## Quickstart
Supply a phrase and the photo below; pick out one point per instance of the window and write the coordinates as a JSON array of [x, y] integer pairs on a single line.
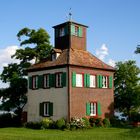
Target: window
[[92, 81], [104, 81], [35, 82], [58, 79], [93, 109], [46, 81], [53, 57], [46, 109], [79, 80], [61, 32], [76, 30]]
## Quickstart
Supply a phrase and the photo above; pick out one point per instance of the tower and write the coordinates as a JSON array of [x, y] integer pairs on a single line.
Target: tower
[[70, 35]]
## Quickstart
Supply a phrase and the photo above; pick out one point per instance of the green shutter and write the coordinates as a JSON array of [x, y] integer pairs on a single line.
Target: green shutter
[[51, 109], [49, 80], [99, 109], [110, 81], [40, 81], [88, 109], [52, 80], [80, 31], [41, 109], [72, 29], [98, 81], [66, 30], [88, 80], [56, 33], [73, 79], [30, 82], [64, 81], [37, 81], [101, 81], [85, 80]]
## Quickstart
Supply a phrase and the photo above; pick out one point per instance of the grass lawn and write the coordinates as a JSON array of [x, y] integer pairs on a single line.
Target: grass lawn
[[90, 134]]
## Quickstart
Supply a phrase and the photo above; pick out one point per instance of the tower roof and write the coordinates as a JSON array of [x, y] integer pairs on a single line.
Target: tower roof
[[69, 22]]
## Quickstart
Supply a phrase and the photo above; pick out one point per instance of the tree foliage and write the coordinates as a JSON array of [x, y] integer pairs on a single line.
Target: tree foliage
[[14, 96], [137, 49], [39, 45], [127, 86]]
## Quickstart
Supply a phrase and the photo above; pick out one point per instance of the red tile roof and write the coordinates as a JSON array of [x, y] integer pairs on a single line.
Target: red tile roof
[[73, 57]]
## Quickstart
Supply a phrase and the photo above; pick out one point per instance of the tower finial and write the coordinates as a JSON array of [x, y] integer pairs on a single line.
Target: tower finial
[[70, 15]]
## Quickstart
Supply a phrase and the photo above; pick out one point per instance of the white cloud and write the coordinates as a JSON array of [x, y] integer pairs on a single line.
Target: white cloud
[[5, 55], [111, 62], [102, 52], [5, 58]]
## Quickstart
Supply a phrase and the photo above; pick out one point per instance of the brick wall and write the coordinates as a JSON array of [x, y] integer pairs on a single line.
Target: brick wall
[[80, 96]]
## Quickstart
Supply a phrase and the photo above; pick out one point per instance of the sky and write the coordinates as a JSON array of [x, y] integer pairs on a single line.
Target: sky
[[113, 25]]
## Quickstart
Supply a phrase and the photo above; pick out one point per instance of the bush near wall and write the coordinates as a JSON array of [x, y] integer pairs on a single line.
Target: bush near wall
[[75, 123]]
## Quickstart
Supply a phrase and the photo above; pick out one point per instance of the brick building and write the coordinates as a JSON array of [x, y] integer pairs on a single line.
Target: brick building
[[74, 83]]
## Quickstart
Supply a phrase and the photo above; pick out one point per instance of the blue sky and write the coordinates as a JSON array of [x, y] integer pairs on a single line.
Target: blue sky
[[113, 33]]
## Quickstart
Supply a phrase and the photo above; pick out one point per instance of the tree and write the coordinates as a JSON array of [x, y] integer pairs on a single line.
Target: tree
[[137, 49], [40, 40], [14, 97], [127, 87]]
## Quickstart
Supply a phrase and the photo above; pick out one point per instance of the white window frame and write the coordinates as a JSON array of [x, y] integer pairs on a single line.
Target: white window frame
[[46, 81], [46, 109], [35, 81], [92, 81], [93, 109], [62, 31], [79, 80], [58, 79], [104, 81]]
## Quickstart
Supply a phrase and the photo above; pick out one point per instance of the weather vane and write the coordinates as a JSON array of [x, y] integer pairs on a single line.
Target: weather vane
[[70, 15]]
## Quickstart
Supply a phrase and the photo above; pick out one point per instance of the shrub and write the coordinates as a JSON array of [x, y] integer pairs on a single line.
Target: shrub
[[60, 124], [116, 122], [92, 121], [86, 122], [77, 123], [46, 123], [33, 125], [98, 122], [68, 126], [135, 117], [106, 122]]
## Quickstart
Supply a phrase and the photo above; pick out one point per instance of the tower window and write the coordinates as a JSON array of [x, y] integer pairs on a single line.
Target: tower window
[[61, 32], [76, 30]]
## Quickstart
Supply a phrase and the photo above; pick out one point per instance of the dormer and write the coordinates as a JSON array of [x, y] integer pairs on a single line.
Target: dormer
[[70, 35], [55, 54]]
